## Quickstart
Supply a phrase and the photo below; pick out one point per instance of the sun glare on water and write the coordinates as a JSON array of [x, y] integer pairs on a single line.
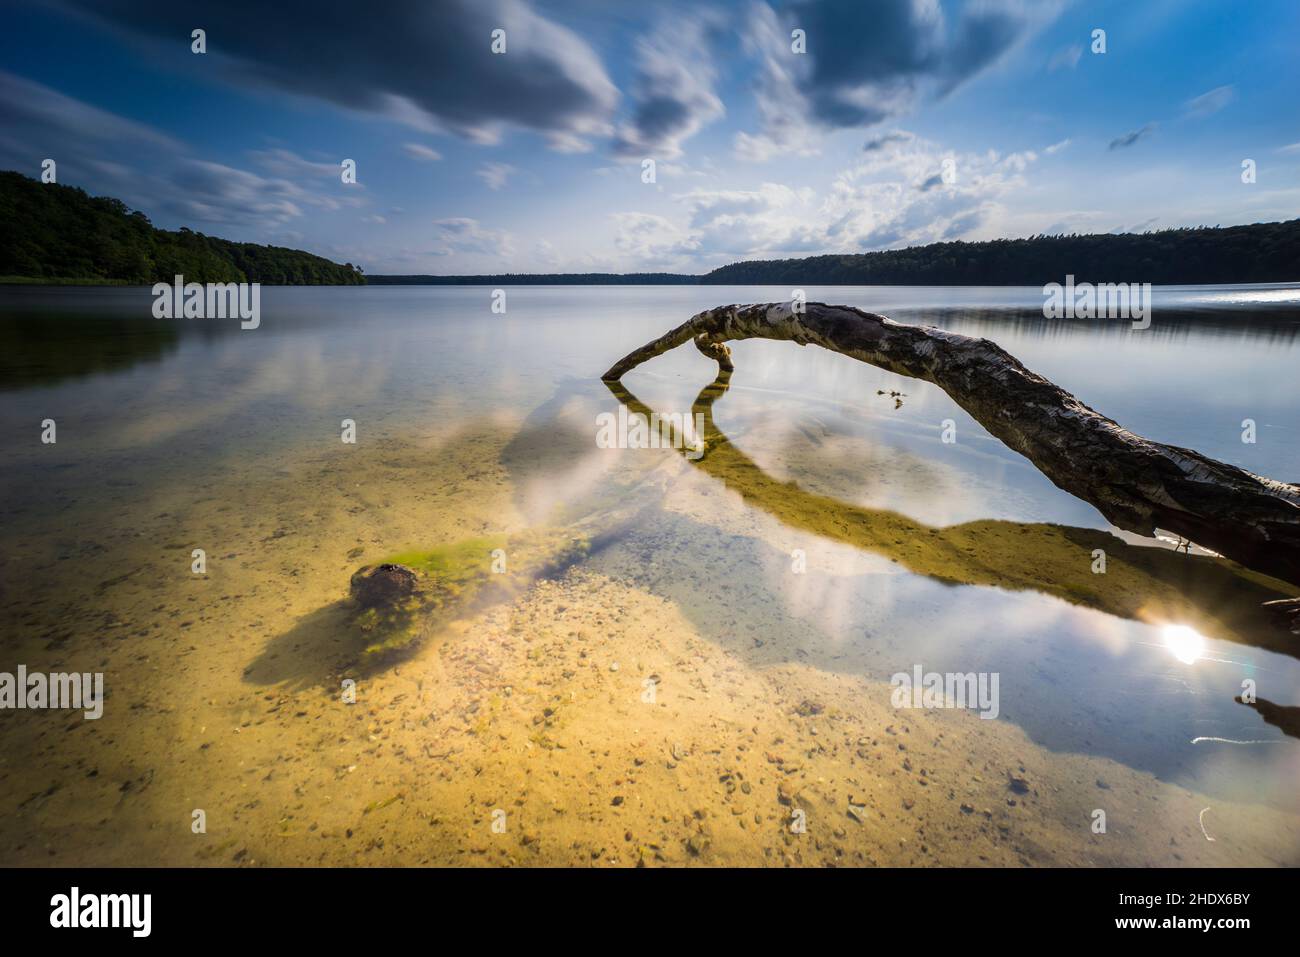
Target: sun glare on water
[[1187, 644]]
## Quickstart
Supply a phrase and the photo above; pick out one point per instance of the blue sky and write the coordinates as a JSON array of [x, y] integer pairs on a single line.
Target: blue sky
[[531, 160]]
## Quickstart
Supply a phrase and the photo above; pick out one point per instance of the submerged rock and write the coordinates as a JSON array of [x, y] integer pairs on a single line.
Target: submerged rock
[[412, 593], [377, 586]]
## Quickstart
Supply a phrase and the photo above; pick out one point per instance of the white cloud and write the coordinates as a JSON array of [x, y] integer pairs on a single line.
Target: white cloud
[[651, 240], [772, 218], [1066, 58], [901, 199], [894, 196], [1210, 102], [421, 152], [216, 193], [282, 162], [495, 175], [456, 235]]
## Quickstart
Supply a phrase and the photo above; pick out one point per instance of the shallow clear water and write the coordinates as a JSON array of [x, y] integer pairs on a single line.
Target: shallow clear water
[[185, 434]]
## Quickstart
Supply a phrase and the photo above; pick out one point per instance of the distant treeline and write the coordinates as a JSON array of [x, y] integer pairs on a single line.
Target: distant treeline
[[1263, 252], [544, 279], [52, 232]]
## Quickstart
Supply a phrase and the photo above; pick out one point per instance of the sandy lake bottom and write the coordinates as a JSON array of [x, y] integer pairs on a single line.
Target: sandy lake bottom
[[708, 685]]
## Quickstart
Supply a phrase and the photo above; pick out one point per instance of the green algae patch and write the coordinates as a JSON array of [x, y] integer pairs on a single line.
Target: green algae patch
[[457, 579], [454, 565]]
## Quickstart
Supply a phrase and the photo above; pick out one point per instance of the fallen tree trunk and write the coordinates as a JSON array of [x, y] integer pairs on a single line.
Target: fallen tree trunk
[[1137, 484]]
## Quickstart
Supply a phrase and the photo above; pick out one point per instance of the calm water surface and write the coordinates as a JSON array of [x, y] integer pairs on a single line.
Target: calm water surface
[[173, 435]]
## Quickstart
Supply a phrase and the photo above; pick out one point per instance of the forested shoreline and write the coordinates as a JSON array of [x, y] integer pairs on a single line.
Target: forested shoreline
[[60, 234], [1261, 252]]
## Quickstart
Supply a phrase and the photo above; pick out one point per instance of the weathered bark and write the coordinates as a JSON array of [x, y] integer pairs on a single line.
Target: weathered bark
[[1137, 484]]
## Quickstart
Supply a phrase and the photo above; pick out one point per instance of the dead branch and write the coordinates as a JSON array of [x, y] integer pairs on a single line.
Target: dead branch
[[1137, 484]]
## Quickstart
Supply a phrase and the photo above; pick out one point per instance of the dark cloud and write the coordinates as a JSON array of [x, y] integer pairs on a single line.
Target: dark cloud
[[863, 56], [673, 88], [878, 143], [1130, 138], [106, 154], [866, 57], [659, 117], [429, 63], [983, 32], [37, 122]]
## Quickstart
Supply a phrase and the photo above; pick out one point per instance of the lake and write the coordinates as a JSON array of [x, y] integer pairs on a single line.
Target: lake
[[706, 675]]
